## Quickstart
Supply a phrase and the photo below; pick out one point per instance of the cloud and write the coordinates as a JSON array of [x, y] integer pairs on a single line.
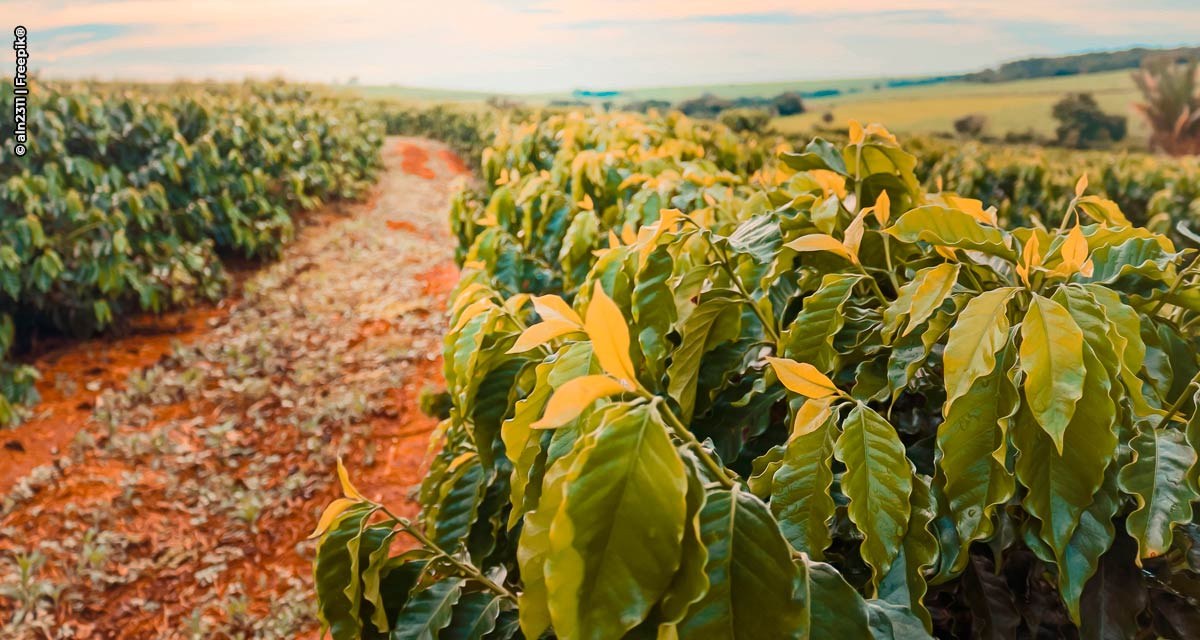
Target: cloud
[[538, 45], [770, 18]]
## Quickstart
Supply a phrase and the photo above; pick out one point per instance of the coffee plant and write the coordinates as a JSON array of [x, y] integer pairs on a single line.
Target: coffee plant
[[128, 196], [1028, 183], [701, 393]]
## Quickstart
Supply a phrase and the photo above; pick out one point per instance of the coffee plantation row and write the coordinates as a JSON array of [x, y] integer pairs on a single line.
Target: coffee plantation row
[[101, 143], [702, 389], [1028, 183], [128, 197]]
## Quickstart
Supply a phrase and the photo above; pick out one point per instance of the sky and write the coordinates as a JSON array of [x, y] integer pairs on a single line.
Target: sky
[[529, 46]]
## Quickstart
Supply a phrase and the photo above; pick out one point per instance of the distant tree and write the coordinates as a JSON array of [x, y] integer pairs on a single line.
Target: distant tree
[[747, 120], [827, 117], [788, 103], [970, 125], [1172, 104], [643, 106], [1082, 125], [503, 103], [1028, 136], [1094, 62], [706, 106]]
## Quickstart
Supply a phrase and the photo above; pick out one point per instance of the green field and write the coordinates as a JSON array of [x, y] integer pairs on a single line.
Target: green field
[[1015, 106], [1009, 106]]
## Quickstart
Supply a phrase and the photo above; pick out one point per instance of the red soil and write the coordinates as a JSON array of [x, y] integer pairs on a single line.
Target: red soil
[[453, 162], [160, 530], [415, 159], [74, 374]]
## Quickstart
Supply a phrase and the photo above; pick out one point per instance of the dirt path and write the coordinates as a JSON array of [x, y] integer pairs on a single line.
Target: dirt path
[[178, 504]]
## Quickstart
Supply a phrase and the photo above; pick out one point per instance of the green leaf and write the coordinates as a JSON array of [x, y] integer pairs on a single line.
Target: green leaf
[[913, 351], [457, 505], [690, 582], [763, 470], [919, 298], [1091, 539], [1124, 330], [1192, 435], [971, 444], [474, 617], [878, 482], [333, 573], [800, 496], [904, 585], [522, 444], [951, 228], [533, 547], [654, 310], [818, 154], [377, 560], [1061, 487], [809, 338], [428, 611], [750, 572], [1158, 478], [1141, 256], [980, 331], [758, 237], [894, 622], [616, 541], [1052, 360], [698, 337], [834, 608]]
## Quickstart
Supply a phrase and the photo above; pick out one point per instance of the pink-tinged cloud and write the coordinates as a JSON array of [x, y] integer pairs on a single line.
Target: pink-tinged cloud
[[522, 45]]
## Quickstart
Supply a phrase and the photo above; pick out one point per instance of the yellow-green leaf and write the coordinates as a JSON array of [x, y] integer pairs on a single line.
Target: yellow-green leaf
[[750, 573], [347, 488], [616, 541], [919, 298], [803, 378], [1157, 478], [972, 443], [800, 496], [573, 397], [330, 514], [820, 242], [979, 332], [552, 307], [951, 228], [878, 481], [606, 327], [1052, 359], [541, 333]]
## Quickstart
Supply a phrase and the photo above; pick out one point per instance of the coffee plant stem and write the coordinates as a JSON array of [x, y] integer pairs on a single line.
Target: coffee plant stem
[[1062, 226], [689, 439], [467, 569], [973, 278], [1179, 402], [874, 286], [891, 271], [767, 323], [1191, 268]]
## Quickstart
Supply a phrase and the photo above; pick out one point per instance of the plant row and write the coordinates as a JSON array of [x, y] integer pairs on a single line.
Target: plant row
[[128, 196], [702, 390], [1030, 183]]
